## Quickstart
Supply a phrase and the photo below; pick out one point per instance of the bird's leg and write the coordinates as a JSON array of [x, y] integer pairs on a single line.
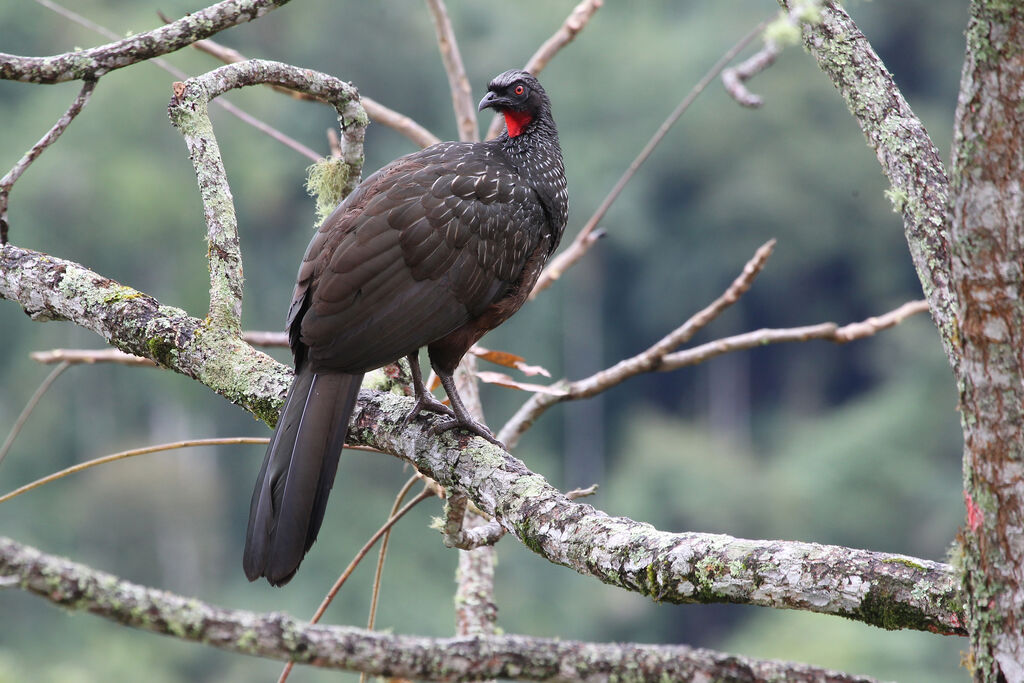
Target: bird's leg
[[424, 399], [462, 417]]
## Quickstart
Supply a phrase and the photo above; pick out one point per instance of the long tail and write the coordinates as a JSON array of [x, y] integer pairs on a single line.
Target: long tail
[[298, 471]]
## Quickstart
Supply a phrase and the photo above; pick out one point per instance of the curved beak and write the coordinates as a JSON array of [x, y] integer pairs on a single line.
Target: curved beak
[[490, 100]]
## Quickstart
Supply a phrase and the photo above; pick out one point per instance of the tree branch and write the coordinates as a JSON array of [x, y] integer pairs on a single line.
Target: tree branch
[[188, 112], [909, 158], [49, 288], [881, 589], [96, 61], [7, 182], [277, 636], [462, 92], [586, 237], [377, 112]]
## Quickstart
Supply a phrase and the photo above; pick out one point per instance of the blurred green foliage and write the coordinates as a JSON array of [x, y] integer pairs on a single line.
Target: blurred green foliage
[[855, 444]]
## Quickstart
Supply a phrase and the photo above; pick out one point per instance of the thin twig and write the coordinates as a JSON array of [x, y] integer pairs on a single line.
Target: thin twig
[[377, 112], [372, 619], [462, 93], [30, 406], [89, 357], [537, 404], [584, 239], [423, 495], [825, 331], [734, 77], [573, 24], [7, 182], [244, 116], [130, 454]]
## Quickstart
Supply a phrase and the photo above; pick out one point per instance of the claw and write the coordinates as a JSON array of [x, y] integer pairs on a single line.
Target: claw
[[430, 404], [471, 426]]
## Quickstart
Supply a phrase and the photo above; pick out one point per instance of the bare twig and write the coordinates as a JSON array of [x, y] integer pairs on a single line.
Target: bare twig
[[130, 454], [585, 238], [377, 112], [188, 112], [573, 24], [573, 494], [241, 114], [646, 361], [7, 182], [734, 77], [826, 331], [462, 93], [329, 598], [30, 406], [89, 357], [262, 338]]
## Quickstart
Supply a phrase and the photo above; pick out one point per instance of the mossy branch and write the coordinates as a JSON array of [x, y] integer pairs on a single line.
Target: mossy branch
[[277, 636], [96, 61]]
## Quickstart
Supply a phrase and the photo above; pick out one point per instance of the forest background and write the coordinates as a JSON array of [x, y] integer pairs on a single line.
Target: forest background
[[855, 445]]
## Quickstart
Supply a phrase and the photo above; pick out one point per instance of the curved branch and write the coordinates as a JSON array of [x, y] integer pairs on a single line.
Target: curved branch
[[50, 288], [96, 61], [909, 158], [277, 636], [188, 112], [891, 591]]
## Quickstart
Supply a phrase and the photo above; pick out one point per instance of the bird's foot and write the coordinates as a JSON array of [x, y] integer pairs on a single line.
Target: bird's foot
[[429, 403], [470, 425]]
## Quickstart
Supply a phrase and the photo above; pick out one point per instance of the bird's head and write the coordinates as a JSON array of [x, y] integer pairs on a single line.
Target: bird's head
[[519, 96]]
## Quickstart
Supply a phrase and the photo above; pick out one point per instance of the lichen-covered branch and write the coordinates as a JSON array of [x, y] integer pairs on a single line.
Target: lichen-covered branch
[[7, 182], [96, 61], [188, 112], [891, 591], [49, 288], [909, 158], [277, 636], [881, 589]]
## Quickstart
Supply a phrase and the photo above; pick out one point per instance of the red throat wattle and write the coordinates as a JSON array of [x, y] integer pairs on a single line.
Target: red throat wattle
[[515, 121]]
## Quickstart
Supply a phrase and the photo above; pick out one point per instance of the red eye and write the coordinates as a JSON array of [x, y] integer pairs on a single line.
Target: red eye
[[519, 90]]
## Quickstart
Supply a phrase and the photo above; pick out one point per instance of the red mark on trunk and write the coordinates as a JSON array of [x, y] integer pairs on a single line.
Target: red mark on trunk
[[975, 517]]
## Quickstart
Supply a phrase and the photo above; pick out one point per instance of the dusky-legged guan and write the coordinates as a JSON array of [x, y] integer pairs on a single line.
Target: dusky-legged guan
[[434, 250]]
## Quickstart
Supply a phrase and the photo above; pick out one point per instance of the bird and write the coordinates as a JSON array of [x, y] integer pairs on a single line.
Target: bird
[[433, 250]]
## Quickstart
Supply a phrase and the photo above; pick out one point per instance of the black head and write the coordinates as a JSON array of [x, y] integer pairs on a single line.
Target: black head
[[519, 96]]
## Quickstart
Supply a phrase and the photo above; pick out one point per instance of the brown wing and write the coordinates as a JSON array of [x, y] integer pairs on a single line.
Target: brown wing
[[422, 247]]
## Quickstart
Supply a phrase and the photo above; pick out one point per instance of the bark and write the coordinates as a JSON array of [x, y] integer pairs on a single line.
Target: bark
[[77, 587], [891, 591], [988, 267], [96, 61]]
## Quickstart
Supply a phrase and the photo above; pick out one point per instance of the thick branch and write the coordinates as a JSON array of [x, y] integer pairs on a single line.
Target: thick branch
[[891, 591], [277, 636], [96, 61], [188, 112], [49, 288], [920, 188]]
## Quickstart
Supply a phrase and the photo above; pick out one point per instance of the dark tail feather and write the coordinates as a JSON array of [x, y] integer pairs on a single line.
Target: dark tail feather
[[298, 471]]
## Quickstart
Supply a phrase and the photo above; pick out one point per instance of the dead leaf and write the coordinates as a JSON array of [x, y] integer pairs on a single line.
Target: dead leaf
[[509, 360], [501, 379]]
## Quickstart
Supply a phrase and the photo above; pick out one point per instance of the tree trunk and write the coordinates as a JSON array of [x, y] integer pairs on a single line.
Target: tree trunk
[[988, 260]]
